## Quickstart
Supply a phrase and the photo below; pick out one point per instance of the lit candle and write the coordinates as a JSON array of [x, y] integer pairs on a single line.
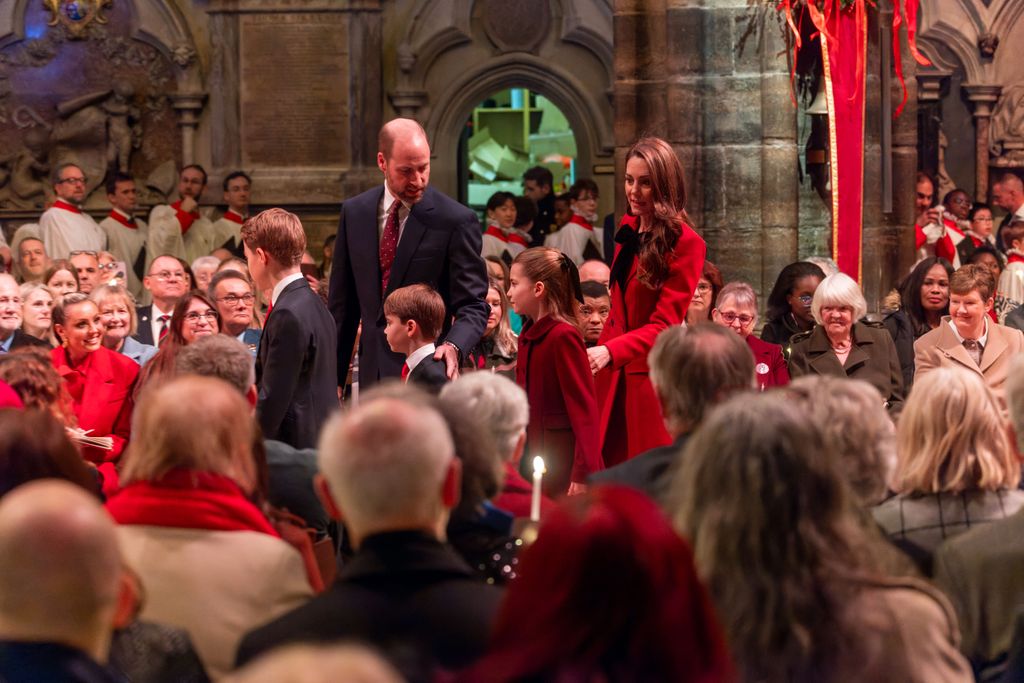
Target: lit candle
[[538, 474]]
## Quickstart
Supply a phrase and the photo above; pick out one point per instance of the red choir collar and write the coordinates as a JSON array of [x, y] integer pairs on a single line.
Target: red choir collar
[[581, 221], [495, 231], [126, 221], [177, 207], [61, 204], [234, 217], [188, 499], [518, 239], [1014, 256]]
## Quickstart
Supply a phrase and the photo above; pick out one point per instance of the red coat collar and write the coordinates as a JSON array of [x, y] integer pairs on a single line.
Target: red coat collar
[[61, 204]]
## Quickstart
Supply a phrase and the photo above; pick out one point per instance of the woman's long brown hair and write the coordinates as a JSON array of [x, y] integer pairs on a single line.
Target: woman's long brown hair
[[668, 194]]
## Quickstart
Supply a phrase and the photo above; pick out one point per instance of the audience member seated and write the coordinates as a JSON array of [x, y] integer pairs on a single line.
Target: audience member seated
[[389, 470], [596, 270], [211, 563], [923, 298], [597, 305], [794, 576], [11, 335], [856, 430], [203, 269], [87, 265], [61, 277], [318, 664], [841, 345], [704, 295], [737, 310], [955, 469], [498, 347], [100, 382], [32, 259], [33, 445], [233, 293], [692, 369], [414, 317], [653, 621], [290, 470], [61, 585], [789, 304], [968, 338], [33, 378], [120, 323], [194, 316], [37, 312], [500, 406], [980, 569], [165, 282]]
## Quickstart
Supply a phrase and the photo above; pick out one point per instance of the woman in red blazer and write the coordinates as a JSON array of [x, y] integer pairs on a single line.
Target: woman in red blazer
[[100, 381], [737, 310], [658, 261]]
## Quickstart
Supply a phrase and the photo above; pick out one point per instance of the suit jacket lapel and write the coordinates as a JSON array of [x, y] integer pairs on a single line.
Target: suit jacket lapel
[[412, 234], [364, 242], [994, 349], [953, 349]]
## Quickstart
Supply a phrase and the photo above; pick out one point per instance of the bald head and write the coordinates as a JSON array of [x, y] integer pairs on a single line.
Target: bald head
[[1008, 192], [386, 464], [58, 540], [404, 157]]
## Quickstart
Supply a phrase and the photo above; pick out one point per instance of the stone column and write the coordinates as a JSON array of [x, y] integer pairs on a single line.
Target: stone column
[[188, 107], [930, 86], [984, 98]]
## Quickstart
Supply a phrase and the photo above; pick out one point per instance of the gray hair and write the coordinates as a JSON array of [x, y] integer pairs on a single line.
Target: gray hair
[[385, 461], [693, 368], [855, 427], [211, 261], [839, 290], [218, 355], [742, 293], [55, 176], [109, 291], [494, 401]]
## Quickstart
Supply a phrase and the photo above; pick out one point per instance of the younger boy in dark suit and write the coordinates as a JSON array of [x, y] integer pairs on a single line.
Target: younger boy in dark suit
[[414, 316]]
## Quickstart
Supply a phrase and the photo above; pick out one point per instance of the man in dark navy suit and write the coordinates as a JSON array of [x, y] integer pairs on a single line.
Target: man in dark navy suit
[[295, 365], [401, 234]]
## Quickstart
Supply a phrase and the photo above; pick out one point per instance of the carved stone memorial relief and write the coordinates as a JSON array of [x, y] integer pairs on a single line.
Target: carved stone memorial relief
[[294, 90], [82, 90]]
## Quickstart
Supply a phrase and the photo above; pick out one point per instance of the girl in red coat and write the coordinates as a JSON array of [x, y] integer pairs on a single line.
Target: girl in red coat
[[552, 367], [657, 263]]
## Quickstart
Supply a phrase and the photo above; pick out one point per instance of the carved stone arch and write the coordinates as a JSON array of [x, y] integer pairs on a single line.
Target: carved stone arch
[[961, 46], [590, 124], [435, 27]]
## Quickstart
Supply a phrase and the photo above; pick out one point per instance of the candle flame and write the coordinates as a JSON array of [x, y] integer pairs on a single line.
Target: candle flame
[[538, 465]]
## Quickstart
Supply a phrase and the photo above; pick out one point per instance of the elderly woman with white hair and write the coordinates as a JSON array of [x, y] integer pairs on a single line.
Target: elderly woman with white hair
[[501, 406], [841, 345], [736, 308]]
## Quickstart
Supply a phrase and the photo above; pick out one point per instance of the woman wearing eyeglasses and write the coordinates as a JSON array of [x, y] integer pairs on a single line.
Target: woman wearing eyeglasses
[[789, 304], [842, 346], [99, 381], [737, 310], [704, 295], [120, 322], [194, 315]]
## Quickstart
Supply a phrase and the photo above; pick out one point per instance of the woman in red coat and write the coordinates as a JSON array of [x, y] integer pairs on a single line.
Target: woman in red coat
[[737, 310], [658, 261], [99, 381]]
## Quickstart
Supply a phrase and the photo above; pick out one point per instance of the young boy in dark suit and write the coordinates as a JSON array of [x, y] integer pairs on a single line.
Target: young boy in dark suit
[[414, 316]]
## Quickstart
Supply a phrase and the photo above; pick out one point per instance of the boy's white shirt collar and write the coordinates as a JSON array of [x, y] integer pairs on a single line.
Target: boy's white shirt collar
[[419, 354]]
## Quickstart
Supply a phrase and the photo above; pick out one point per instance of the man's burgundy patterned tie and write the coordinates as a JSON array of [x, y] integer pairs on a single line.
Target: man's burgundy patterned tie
[[388, 245]]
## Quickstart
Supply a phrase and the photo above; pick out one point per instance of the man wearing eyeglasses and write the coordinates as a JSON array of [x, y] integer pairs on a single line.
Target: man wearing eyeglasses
[[166, 282], [179, 229], [64, 227], [232, 292], [11, 336]]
